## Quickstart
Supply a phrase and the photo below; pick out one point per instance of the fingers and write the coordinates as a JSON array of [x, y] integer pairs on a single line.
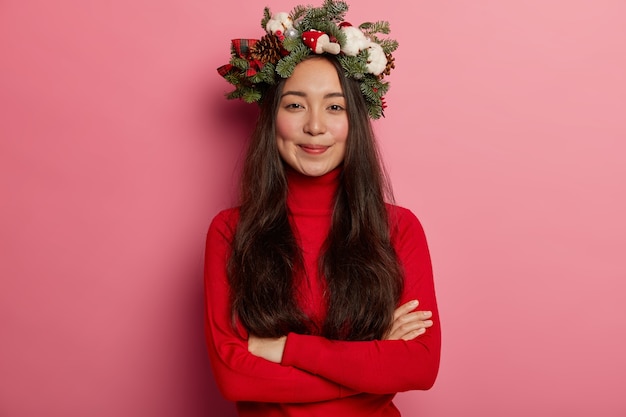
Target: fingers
[[416, 318], [413, 325], [253, 343], [405, 308], [412, 335], [412, 322], [409, 324]]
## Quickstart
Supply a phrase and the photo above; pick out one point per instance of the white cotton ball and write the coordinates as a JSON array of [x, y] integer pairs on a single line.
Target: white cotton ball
[[355, 40], [279, 22], [377, 60]]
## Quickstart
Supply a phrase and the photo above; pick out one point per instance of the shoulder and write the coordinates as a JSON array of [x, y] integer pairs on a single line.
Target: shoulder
[[405, 226], [402, 218], [224, 223], [409, 241]]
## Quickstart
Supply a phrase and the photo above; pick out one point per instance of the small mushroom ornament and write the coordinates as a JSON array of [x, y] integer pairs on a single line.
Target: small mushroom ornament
[[320, 42]]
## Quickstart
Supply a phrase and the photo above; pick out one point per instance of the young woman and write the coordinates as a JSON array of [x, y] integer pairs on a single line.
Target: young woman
[[313, 281]]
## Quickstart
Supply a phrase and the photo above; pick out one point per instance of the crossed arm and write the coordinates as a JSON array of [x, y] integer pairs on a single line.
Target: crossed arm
[[407, 325], [304, 368]]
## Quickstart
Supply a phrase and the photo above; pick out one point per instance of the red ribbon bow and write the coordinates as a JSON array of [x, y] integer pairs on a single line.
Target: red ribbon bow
[[241, 48]]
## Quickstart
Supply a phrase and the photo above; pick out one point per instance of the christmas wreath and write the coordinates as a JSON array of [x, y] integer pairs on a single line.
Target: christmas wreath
[[256, 64]]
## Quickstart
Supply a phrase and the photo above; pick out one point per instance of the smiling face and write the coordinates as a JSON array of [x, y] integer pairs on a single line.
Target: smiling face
[[311, 121]]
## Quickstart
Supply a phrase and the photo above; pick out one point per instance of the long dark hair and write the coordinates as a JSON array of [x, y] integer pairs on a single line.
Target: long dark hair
[[363, 276]]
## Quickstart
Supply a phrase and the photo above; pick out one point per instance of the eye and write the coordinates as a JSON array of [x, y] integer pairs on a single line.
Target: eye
[[293, 106], [336, 108]]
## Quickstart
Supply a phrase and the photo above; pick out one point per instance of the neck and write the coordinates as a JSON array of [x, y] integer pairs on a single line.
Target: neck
[[312, 194]]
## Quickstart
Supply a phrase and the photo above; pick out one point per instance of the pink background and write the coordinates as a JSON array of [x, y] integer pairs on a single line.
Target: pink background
[[505, 134]]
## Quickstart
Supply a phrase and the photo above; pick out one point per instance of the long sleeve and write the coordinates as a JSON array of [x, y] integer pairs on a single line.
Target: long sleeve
[[240, 375], [382, 366]]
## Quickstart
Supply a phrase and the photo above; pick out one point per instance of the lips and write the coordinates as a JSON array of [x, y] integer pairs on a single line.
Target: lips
[[314, 149]]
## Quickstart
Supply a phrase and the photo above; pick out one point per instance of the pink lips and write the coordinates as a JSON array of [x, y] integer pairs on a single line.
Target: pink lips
[[314, 149]]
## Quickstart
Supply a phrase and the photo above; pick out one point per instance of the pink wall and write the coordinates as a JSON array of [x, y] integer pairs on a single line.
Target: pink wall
[[506, 134]]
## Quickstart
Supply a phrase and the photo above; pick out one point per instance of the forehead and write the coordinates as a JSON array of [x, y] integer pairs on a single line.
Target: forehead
[[314, 74]]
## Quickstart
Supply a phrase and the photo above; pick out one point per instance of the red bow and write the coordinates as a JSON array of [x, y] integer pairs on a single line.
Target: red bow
[[241, 48]]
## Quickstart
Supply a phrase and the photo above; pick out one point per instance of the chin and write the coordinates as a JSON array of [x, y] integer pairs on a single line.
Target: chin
[[315, 172]]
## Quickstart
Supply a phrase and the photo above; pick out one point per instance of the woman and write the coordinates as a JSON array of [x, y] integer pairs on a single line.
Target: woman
[[312, 283]]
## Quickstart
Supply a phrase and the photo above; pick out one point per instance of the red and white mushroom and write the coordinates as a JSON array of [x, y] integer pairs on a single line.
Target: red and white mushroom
[[320, 42]]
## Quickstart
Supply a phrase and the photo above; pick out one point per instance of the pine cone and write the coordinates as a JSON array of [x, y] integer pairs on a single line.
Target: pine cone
[[390, 65], [267, 49]]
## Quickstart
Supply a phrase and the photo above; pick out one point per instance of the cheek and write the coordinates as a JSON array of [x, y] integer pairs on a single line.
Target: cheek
[[340, 132], [341, 137], [284, 129], [284, 140]]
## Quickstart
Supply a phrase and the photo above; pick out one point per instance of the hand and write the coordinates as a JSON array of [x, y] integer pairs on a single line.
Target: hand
[[267, 348], [407, 323]]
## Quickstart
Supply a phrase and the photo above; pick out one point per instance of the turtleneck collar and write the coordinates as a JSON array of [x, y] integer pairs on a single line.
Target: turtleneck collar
[[312, 195]]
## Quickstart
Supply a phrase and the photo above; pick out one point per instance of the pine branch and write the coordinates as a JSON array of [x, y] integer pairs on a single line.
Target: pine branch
[[389, 45], [371, 28], [233, 77], [335, 10], [298, 12], [285, 66], [267, 15], [265, 75], [292, 43], [251, 95], [332, 30], [240, 63], [354, 67]]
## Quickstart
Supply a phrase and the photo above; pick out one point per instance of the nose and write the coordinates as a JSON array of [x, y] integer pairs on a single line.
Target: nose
[[315, 123]]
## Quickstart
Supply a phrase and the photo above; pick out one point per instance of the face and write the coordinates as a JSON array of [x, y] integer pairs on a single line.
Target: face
[[312, 123]]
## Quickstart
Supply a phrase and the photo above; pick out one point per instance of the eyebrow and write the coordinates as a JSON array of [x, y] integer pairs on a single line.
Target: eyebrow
[[302, 94]]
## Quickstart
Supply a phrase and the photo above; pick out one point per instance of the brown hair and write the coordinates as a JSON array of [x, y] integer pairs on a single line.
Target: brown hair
[[362, 273]]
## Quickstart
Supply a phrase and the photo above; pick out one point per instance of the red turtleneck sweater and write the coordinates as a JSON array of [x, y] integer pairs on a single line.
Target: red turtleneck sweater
[[317, 376]]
